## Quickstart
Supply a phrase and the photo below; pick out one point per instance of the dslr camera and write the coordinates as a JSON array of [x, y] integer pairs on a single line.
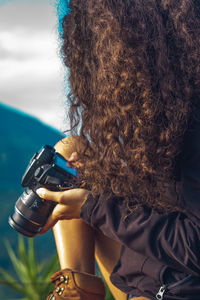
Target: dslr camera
[[46, 169]]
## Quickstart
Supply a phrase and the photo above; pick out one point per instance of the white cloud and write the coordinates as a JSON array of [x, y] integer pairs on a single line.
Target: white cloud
[[30, 14], [19, 40], [35, 55], [31, 74]]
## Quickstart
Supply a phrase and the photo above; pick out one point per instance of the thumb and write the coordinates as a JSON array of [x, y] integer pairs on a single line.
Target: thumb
[[48, 195]]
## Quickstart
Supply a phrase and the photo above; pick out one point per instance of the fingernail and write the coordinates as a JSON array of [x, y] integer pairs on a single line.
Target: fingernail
[[71, 157], [41, 192]]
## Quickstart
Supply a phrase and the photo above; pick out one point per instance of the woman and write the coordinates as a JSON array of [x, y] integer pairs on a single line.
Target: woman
[[135, 94]]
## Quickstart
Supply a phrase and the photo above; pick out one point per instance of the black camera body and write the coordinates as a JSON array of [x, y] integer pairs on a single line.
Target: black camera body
[[46, 169]]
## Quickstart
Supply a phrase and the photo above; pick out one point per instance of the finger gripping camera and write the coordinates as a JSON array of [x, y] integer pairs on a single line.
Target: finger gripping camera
[[46, 169]]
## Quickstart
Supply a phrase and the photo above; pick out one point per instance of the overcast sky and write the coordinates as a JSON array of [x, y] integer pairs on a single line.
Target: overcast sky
[[31, 73]]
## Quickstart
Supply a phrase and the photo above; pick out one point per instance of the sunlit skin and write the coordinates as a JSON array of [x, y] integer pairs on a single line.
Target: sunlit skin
[[68, 207]]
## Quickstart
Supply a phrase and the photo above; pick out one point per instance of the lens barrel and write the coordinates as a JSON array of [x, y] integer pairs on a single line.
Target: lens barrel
[[47, 169], [22, 225], [31, 213]]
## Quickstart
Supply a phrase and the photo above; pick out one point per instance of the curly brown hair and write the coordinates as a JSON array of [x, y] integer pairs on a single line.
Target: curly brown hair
[[135, 81]]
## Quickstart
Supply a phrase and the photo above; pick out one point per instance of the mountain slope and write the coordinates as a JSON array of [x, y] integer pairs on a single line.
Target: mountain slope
[[21, 136]]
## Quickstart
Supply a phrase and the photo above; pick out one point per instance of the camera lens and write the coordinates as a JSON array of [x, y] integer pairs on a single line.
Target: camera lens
[[22, 225], [31, 213]]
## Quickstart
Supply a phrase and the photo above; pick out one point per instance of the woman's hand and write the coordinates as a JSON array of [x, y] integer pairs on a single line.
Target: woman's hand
[[68, 202], [68, 205]]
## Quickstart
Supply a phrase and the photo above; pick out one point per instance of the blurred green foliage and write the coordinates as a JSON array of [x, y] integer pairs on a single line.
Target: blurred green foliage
[[30, 279]]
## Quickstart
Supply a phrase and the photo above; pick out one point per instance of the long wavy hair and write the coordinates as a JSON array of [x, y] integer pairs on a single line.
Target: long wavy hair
[[134, 84]]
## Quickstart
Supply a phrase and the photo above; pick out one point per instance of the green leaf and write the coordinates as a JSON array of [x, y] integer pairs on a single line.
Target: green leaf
[[32, 258], [109, 296], [50, 268], [22, 251], [27, 260], [10, 281], [40, 267], [32, 278], [46, 288], [23, 274], [17, 264], [44, 278]]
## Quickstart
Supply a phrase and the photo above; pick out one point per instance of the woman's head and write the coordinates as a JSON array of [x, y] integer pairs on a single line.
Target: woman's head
[[135, 80]]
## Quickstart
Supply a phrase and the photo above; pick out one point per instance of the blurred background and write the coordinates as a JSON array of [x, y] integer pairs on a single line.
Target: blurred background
[[31, 70], [32, 113]]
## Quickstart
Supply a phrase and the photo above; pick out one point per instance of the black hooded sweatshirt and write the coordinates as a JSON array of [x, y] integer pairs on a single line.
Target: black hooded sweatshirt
[[160, 256]]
